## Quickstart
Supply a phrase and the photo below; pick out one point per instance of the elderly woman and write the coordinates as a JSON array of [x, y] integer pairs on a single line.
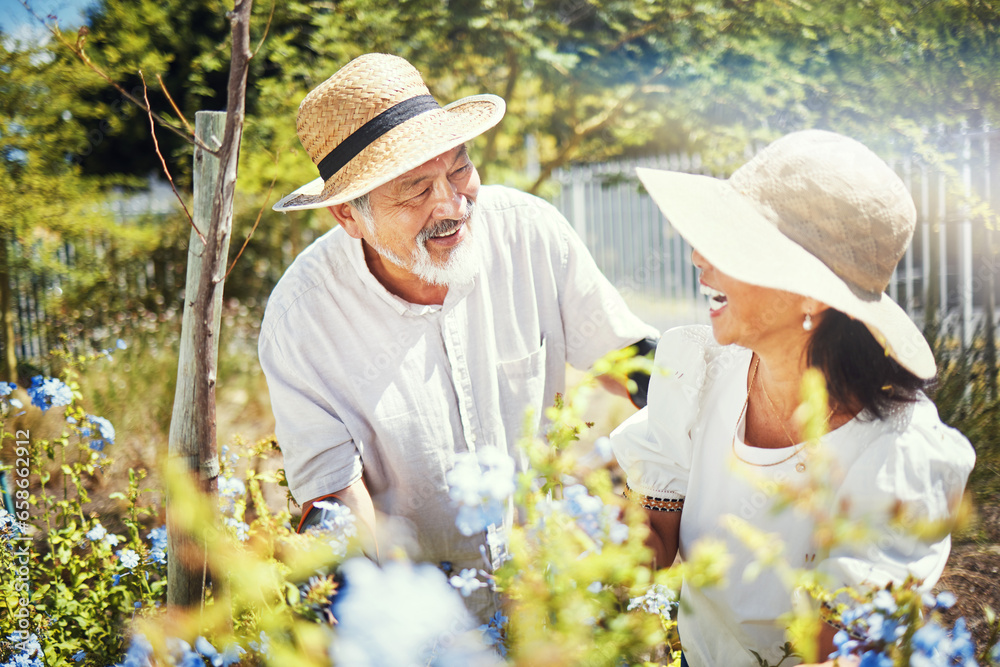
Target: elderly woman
[[795, 252]]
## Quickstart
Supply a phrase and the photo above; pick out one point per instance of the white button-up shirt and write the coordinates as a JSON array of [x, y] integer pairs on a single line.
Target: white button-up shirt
[[365, 384]]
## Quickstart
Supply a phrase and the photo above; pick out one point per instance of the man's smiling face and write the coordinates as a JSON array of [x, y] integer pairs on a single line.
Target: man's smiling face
[[420, 221]]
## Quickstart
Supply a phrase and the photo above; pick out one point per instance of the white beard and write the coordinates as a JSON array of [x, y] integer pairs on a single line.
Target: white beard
[[461, 267]]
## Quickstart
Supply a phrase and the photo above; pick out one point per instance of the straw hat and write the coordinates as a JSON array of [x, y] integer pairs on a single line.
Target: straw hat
[[375, 120], [815, 213]]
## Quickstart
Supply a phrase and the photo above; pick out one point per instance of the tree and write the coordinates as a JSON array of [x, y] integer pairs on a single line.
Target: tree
[[47, 203], [587, 80]]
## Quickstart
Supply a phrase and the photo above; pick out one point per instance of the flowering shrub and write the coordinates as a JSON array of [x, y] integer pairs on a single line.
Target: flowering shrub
[[575, 582], [901, 626]]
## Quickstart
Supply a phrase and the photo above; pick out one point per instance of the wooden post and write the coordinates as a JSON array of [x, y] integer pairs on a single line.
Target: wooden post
[[192, 426], [188, 441], [8, 363]]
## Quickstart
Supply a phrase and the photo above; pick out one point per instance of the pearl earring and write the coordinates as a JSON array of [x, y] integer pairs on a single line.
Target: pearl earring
[[807, 323]]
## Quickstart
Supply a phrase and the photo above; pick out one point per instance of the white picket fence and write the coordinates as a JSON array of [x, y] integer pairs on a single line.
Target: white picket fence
[[647, 260]]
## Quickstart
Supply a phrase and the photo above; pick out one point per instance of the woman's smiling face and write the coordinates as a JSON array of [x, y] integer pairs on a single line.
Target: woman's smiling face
[[749, 315]]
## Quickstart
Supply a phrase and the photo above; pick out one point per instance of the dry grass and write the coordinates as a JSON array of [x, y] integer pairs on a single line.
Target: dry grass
[[973, 574]]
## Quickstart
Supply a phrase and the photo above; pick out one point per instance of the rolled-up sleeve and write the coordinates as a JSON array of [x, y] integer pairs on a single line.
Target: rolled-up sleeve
[[897, 489], [320, 456], [654, 446]]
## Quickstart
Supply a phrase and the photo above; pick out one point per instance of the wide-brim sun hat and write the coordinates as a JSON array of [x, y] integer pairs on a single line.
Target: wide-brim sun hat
[[375, 120], [816, 214]]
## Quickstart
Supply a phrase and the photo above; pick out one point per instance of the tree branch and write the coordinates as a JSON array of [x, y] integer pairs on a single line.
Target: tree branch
[[584, 129], [77, 50], [267, 27], [170, 99], [513, 73], [166, 170]]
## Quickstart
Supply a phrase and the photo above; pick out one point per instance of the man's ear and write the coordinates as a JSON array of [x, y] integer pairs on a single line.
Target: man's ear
[[345, 217]]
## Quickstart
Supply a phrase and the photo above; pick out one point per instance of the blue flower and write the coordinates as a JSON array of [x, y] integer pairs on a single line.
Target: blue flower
[[242, 529], [97, 533], [29, 651], [128, 558], [844, 645], [115, 579], [960, 649], [264, 647], [79, 656], [602, 447], [657, 600], [875, 659], [495, 633], [599, 521], [466, 582], [104, 428], [231, 655], [183, 654], [402, 614], [158, 538], [884, 601], [158, 556], [945, 600], [884, 629], [203, 646], [336, 517], [852, 615], [231, 487], [928, 638], [6, 388], [46, 392], [336, 526], [139, 652], [481, 483], [121, 345]]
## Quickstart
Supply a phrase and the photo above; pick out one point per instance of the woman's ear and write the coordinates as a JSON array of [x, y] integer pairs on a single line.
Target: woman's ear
[[813, 307], [346, 217]]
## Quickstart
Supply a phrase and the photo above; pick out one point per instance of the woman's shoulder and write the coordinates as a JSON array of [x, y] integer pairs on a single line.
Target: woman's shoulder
[[911, 445], [688, 364], [693, 348]]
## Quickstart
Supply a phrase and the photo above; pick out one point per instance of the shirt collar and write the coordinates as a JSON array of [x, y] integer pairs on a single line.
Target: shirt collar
[[356, 253]]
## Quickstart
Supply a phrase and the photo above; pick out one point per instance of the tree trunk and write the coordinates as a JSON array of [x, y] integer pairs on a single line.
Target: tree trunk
[[9, 362], [192, 427]]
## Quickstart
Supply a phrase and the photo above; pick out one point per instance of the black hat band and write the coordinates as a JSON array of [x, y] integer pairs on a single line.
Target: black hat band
[[361, 138]]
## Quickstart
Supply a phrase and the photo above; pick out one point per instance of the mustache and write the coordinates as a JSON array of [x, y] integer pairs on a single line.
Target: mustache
[[445, 226]]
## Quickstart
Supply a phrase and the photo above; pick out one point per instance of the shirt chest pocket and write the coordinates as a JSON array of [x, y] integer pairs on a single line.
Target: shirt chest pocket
[[521, 384]]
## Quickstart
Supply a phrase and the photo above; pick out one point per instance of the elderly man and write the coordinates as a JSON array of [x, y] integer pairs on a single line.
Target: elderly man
[[430, 319]]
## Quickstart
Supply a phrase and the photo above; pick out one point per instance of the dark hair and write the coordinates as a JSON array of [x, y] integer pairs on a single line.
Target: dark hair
[[859, 374]]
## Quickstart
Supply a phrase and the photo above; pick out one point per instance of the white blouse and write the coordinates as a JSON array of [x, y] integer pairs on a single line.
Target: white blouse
[[683, 443]]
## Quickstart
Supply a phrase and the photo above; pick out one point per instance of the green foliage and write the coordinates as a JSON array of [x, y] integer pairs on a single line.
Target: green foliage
[[577, 586], [569, 581], [73, 572], [57, 232], [967, 398], [588, 79]]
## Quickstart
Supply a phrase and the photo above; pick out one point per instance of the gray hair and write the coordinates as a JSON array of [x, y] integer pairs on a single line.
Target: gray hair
[[363, 207]]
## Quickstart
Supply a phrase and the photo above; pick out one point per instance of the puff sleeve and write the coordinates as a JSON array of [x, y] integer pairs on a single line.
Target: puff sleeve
[[915, 474], [654, 446]]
